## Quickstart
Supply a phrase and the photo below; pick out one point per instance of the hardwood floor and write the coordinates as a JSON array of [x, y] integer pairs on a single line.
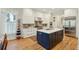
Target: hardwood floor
[[30, 43]]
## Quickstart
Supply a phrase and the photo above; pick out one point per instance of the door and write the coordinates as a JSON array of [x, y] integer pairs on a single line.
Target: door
[[10, 26]]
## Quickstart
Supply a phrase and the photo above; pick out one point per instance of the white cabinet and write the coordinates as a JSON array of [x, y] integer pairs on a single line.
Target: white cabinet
[[70, 12], [29, 32], [57, 22], [28, 20], [34, 31], [46, 18], [28, 16], [26, 32]]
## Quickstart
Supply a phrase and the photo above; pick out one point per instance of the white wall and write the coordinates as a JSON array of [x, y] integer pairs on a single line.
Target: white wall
[[16, 12], [77, 24], [1, 25], [77, 28]]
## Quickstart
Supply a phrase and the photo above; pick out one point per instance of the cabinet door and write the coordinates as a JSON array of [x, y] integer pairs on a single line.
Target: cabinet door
[[60, 35], [28, 16], [43, 39], [57, 38], [52, 39], [25, 33]]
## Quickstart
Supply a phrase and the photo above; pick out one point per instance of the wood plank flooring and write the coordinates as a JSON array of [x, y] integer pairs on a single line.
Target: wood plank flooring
[[30, 43]]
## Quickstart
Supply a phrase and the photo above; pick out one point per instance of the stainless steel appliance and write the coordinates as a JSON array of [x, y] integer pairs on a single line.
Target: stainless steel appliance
[[70, 26]]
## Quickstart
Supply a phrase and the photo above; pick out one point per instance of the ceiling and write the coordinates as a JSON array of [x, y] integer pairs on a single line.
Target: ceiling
[[54, 11]]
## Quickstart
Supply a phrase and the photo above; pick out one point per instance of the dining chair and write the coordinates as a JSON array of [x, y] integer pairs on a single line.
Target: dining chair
[[5, 42]]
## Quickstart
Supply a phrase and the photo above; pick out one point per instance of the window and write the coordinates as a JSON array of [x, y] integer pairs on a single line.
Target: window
[[11, 17]]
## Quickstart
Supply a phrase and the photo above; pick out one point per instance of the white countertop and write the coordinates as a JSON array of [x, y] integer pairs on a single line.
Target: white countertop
[[50, 30]]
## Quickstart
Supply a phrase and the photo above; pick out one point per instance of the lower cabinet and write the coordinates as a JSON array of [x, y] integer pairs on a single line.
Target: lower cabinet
[[29, 32], [43, 39], [49, 41]]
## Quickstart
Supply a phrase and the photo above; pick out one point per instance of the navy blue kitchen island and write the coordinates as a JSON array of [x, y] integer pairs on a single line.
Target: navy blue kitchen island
[[49, 38]]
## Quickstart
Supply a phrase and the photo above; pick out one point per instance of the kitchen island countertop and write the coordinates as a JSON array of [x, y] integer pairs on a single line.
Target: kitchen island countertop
[[50, 30]]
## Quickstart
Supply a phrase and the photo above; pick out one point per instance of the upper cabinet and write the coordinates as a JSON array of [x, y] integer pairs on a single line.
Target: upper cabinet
[[57, 22], [28, 17], [46, 17], [70, 12]]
